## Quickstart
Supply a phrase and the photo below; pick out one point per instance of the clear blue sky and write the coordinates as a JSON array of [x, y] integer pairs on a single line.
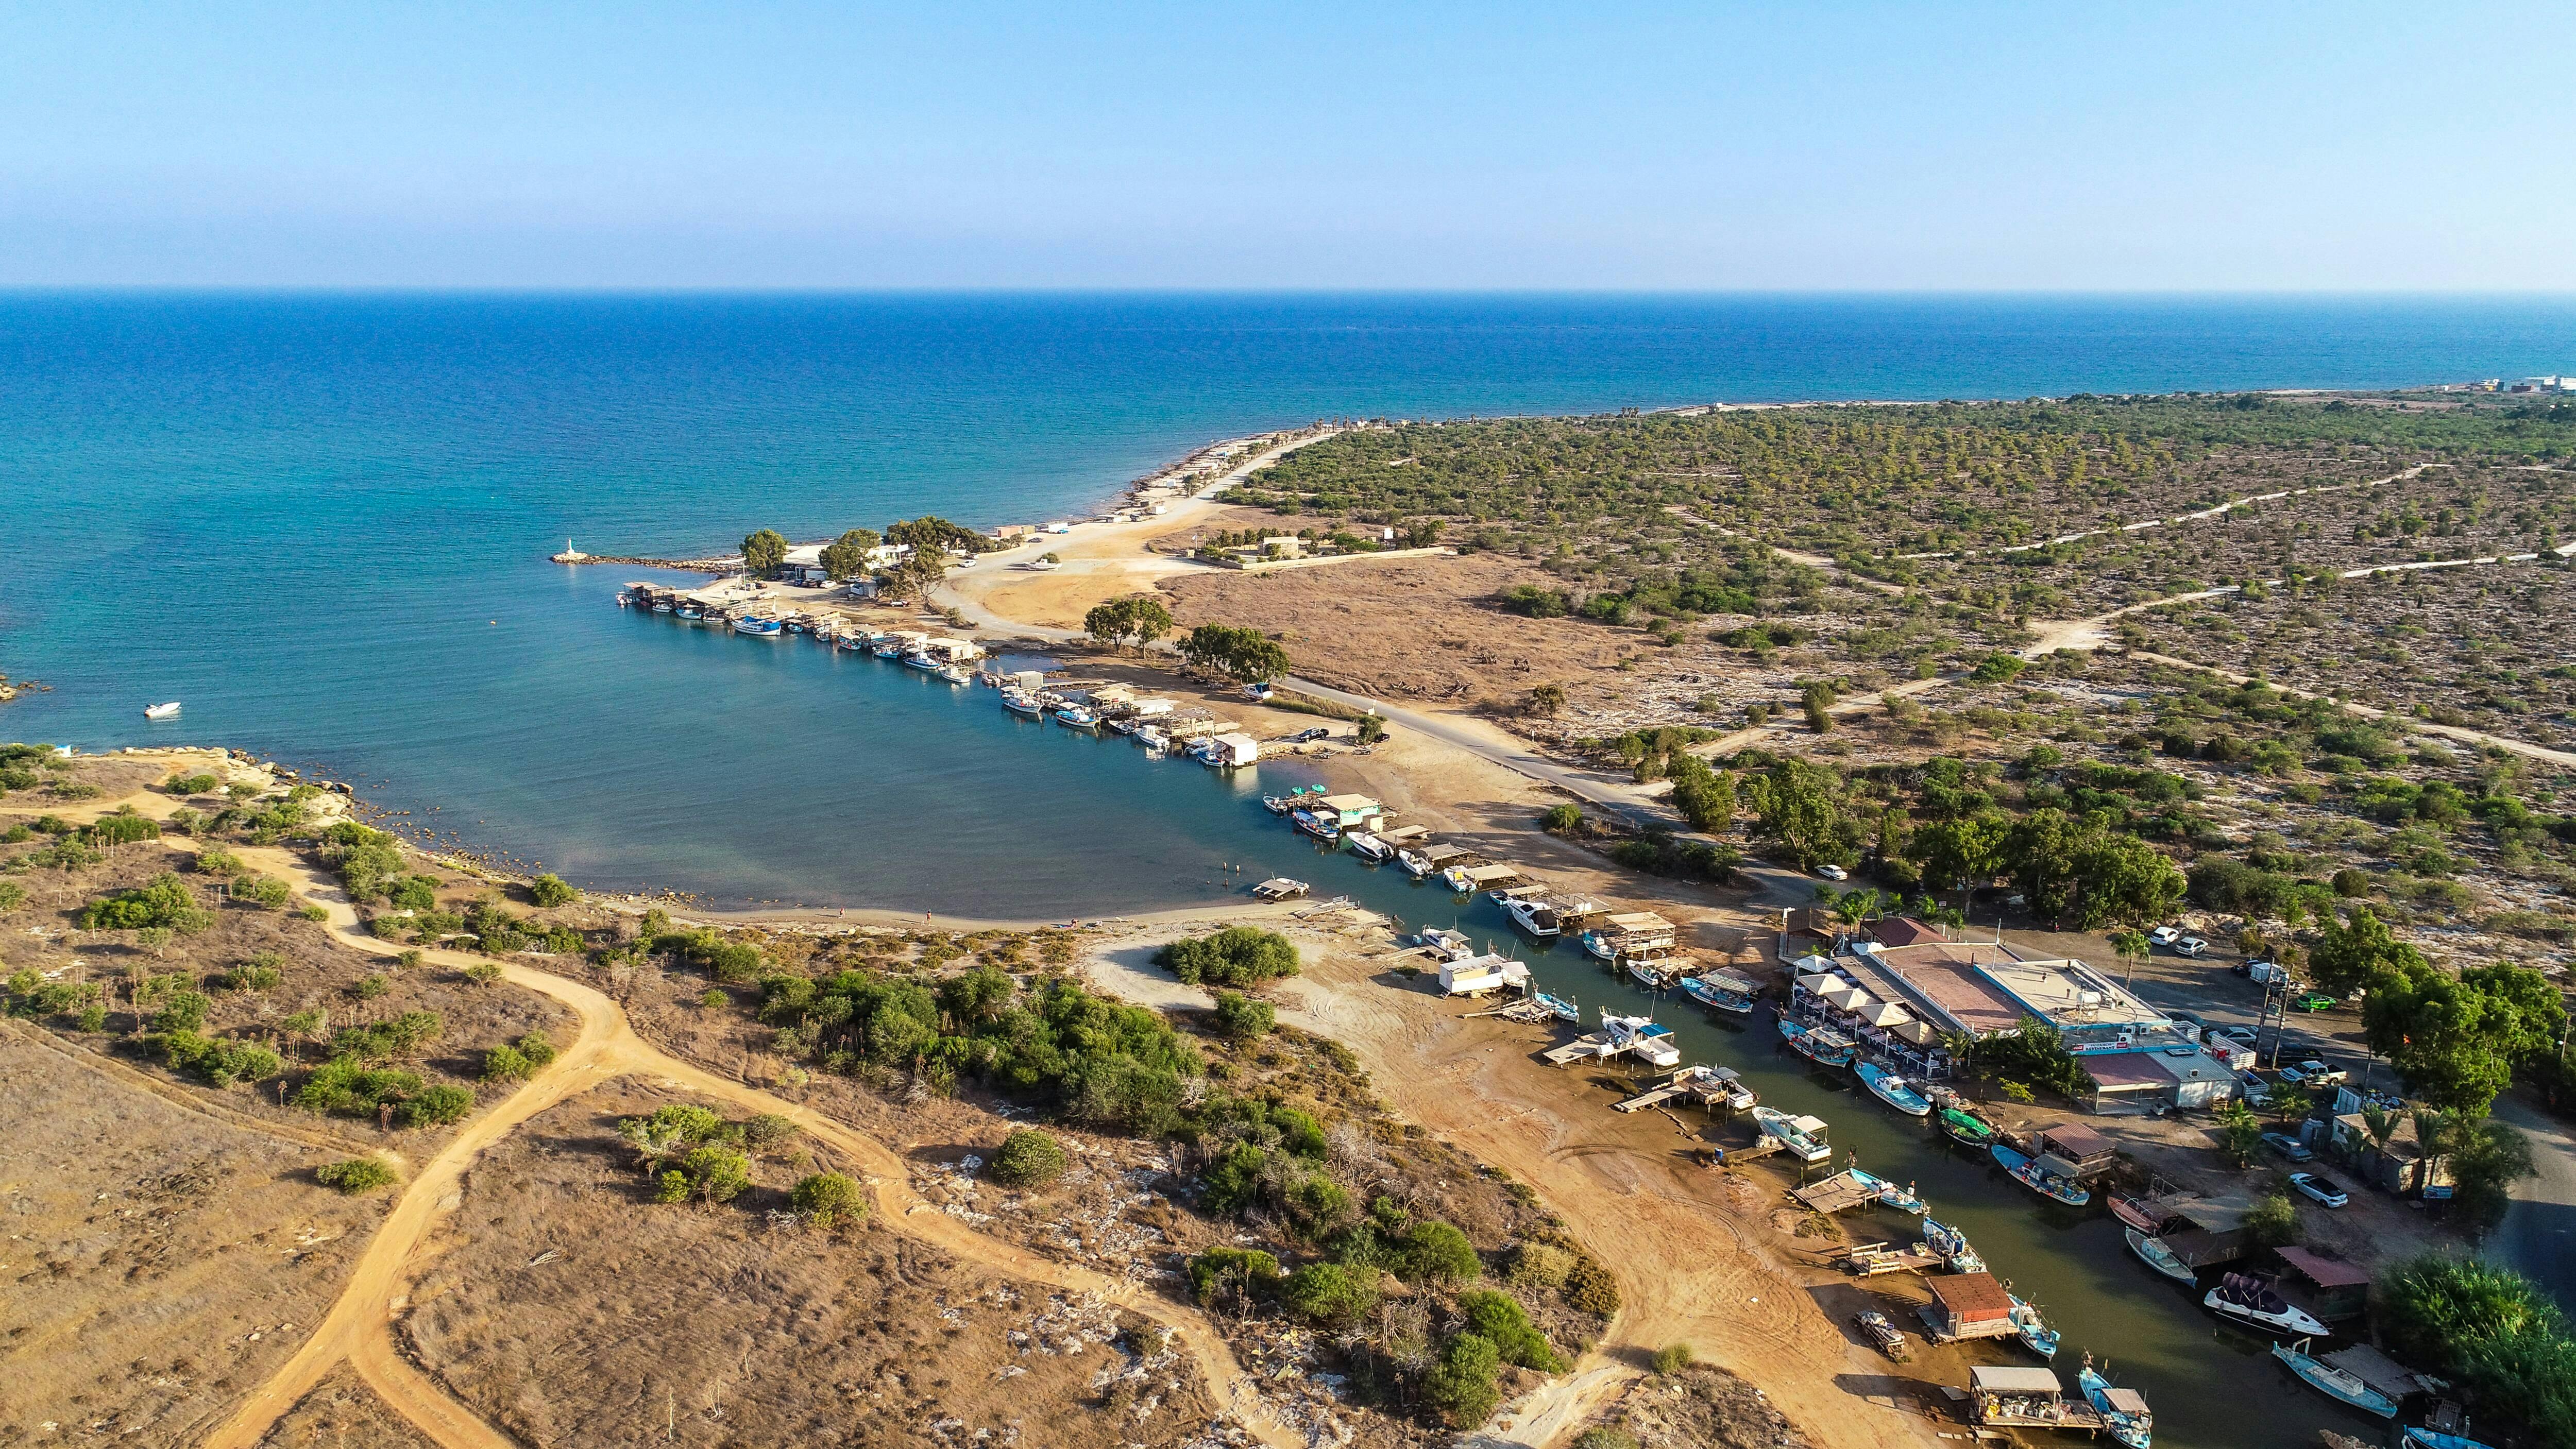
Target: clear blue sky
[[1709, 146]]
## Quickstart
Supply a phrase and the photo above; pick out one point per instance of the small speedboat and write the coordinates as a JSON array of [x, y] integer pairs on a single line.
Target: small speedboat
[[1276, 804], [1414, 865], [2039, 1179], [1153, 739], [1951, 1246], [1892, 1089], [956, 675], [162, 711], [2339, 1384], [2161, 1258], [2033, 1330], [2123, 1412], [1557, 1006], [1900, 1198], [1533, 915], [2248, 1299], [1648, 974], [2419, 1437], [1369, 847]]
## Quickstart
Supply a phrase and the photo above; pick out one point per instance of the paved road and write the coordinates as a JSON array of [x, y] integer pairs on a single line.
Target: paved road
[[2538, 1237]]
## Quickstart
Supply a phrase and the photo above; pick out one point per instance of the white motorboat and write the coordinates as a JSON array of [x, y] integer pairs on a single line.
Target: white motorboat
[[1532, 914], [1414, 865], [1018, 703], [1368, 846], [1153, 739], [162, 711], [2248, 1299], [1801, 1137]]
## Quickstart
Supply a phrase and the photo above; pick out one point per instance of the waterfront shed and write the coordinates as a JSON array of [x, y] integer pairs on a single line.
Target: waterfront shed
[[1969, 1305], [2072, 1149], [1234, 749], [2330, 1288]]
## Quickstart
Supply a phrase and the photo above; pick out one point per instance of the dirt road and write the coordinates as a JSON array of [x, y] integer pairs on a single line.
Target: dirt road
[[359, 1327]]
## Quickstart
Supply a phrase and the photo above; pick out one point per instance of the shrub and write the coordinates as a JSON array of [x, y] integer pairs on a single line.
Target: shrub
[[356, 1175], [1027, 1159], [1236, 956], [1499, 1319], [1560, 819], [436, 1106], [505, 1064], [714, 999], [1537, 1265], [1243, 1017], [165, 902], [219, 862], [1602, 1436], [198, 784], [12, 896], [2274, 1220], [1672, 1358], [1233, 1182], [716, 1174], [1432, 1251], [1462, 1386], [828, 1200], [1329, 1294], [550, 890], [483, 973], [1589, 1288], [671, 1187], [261, 890], [371, 987], [1219, 1271], [219, 1062], [760, 1133]]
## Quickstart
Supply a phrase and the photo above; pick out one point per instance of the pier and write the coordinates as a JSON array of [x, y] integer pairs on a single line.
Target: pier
[[1839, 1193]]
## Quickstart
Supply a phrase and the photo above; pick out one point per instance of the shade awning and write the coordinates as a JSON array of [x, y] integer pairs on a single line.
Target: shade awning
[[1886, 1014], [1919, 1033], [2013, 1379]]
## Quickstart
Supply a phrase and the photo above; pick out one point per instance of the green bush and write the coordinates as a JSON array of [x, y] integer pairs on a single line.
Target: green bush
[[2274, 1222], [828, 1199], [1537, 1265], [1463, 1386], [1236, 956], [1672, 1358], [218, 1061], [550, 890], [1431, 1251], [12, 896], [1560, 819], [261, 890], [347, 1085], [716, 1174], [197, 784], [1233, 1182], [1027, 1159], [504, 1064], [354, 1176], [436, 1106], [1589, 1288], [1243, 1017], [1219, 1272], [1329, 1295], [1603, 1436], [1499, 1319], [164, 902]]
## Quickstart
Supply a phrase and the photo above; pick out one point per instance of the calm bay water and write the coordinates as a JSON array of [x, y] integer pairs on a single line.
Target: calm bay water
[[321, 522]]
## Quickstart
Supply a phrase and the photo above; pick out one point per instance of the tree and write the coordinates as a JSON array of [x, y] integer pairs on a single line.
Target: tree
[[2040, 852], [2455, 1039], [1244, 654], [1027, 1159], [1236, 956], [1967, 852], [763, 552], [2125, 880], [2358, 953], [2495, 1333], [2239, 1132], [1434, 1252], [846, 557], [917, 574], [1818, 701], [1243, 1017], [934, 534], [550, 890], [1462, 1386], [1705, 797], [1796, 809], [1137, 618], [828, 1199]]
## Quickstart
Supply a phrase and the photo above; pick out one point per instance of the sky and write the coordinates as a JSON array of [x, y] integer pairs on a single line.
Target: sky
[[2264, 147]]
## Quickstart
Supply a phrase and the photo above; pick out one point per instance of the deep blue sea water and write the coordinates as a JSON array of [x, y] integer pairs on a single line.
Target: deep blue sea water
[[322, 523]]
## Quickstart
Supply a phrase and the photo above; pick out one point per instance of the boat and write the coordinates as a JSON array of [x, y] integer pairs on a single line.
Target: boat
[[1725, 993], [1822, 1045], [2161, 1258], [691, 612], [1369, 847], [162, 711], [956, 675], [2137, 1212], [2340, 1384], [1648, 974], [889, 649], [1876, 1327], [2123, 1412], [1801, 1137], [1651, 1040], [1276, 804], [1966, 1128], [1892, 1089], [1447, 945], [1951, 1246], [2039, 1179], [1076, 717], [757, 627], [1900, 1198], [2248, 1299], [1598, 945], [1530, 912], [797, 626], [1557, 1006], [661, 606], [2420, 1437], [1018, 703], [1280, 888], [926, 663], [1317, 824], [1153, 739], [2032, 1329]]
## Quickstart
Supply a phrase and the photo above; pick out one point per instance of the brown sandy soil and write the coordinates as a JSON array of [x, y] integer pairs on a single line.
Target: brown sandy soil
[[343, 1413], [163, 1263], [567, 1307], [1700, 1407]]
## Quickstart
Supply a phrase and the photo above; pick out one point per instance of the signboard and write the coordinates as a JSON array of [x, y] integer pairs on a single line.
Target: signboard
[[2437, 1192]]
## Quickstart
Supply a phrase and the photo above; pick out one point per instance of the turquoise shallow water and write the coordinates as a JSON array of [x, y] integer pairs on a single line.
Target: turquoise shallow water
[[322, 521]]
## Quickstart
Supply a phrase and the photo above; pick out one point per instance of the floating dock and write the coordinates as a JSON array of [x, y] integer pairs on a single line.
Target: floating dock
[[1839, 1193]]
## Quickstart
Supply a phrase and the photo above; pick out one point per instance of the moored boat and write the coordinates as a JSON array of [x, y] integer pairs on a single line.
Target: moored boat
[[1076, 717], [1801, 1137], [955, 674], [2420, 1437], [2030, 1328], [1532, 915], [1598, 946], [1557, 1006], [1369, 847], [1317, 824], [2161, 1258], [2040, 1180], [2135, 1211], [1822, 1045], [1951, 1246], [2123, 1411], [1153, 739], [2248, 1299], [1966, 1128], [1018, 703], [757, 626], [162, 711], [1276, 804], [1648, 974], [2340, 1384], [1725, 993], [1903, 1199], [1892, 1089]]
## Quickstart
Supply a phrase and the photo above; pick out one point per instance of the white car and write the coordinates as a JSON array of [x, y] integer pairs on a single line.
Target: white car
[[1833, 872], [2322, 1189], [2245, 1035], [2318, 1072], [2190, 946], [2164, 935]]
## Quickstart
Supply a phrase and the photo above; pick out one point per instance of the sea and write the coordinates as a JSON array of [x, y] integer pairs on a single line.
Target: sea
[[322, 521]]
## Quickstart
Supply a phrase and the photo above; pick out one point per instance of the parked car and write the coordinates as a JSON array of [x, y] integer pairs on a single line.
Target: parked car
[[2190, 946], [2165, 935], [2322, 1189], [2241, 1035], [2315, 1001], [2319, 1074], [1833, 872], [1303, 737], [2289, 1146]]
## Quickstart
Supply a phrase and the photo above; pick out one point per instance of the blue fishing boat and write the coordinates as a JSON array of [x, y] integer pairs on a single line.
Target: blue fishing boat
[[1951, 1246], [1900, 1198], [2161, 1258], [2123, 1411], [1892, 1089], [2340, 1384], [757, 627], [2419, 1437], [1721, 992], [1318, 824], [1822, 1045], [1557, 1006], [2033, 1330], [2040, 1180]]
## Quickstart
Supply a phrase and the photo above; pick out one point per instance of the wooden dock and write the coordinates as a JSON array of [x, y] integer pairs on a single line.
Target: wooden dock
[[1838, 1193], [1688, 1082], [1594, 1046], [1729, 1156], [1878, 1259]]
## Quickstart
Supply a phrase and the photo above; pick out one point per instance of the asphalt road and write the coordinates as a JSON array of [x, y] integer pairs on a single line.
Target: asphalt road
[[2538, 1237]]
